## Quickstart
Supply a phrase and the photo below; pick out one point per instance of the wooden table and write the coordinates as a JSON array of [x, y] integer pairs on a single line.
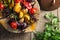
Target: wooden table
[[5, 35]]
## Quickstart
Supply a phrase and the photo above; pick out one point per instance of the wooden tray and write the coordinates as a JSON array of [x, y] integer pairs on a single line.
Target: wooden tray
[[29, 29]]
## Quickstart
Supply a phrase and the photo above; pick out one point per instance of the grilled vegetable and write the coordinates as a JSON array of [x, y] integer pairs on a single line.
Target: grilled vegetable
[[21, 20], [12, 4], [22, 26], [17, 1], [13, 25], [21, 14], [27, 17], [17, 7], [32, 11], [27, 4], [25, 10]]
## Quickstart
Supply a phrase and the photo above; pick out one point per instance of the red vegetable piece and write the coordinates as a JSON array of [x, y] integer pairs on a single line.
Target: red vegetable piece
[[1, 6], [14, 25], [33, 10], [21, 0], [27, 4], [17, 1]]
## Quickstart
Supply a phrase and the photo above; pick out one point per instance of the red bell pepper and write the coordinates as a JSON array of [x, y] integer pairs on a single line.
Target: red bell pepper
[[27, 4], [18, 1]]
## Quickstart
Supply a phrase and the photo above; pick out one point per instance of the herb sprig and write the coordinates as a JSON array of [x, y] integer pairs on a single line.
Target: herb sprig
[[51, 31]]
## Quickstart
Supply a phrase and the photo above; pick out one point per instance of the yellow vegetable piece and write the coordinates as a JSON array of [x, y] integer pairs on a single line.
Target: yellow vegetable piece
[[31, 28], [21, 14], [17, 8], [11, 5], [25, 10], [21, 20], [27, 17]]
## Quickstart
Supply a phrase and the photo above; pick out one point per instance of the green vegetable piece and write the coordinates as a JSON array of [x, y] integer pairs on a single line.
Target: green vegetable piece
[[55, 21], [9, 1], [47, 34], [49, 16], [52, 31]]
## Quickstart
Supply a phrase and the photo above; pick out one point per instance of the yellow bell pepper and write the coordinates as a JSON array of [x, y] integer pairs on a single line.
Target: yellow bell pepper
[[17, 7], [21, 14], [27, 17], [25, 10]]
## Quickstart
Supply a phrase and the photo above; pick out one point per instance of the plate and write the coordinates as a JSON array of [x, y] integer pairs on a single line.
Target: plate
[[31, 28]]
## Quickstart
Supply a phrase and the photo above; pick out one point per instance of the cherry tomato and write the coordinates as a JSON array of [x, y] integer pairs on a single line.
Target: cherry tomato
[[1, 6], [32, 10], [14, 25], [27, 4]]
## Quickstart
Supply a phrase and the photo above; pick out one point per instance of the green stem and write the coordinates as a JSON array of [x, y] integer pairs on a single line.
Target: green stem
[[15, 18]]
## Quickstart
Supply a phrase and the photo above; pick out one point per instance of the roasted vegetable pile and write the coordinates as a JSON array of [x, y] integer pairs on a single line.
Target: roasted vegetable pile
[[19, 13]]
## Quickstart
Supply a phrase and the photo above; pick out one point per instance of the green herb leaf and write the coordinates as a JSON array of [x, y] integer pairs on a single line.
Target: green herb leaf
[[51, 31]]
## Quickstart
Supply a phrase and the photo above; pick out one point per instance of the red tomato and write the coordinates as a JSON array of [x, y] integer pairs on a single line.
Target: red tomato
[[1, 6], [27, 4], [32, 10], [14, 25]]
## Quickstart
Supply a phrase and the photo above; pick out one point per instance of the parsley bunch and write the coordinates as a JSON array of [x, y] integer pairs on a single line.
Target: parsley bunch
[[51, 31]]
